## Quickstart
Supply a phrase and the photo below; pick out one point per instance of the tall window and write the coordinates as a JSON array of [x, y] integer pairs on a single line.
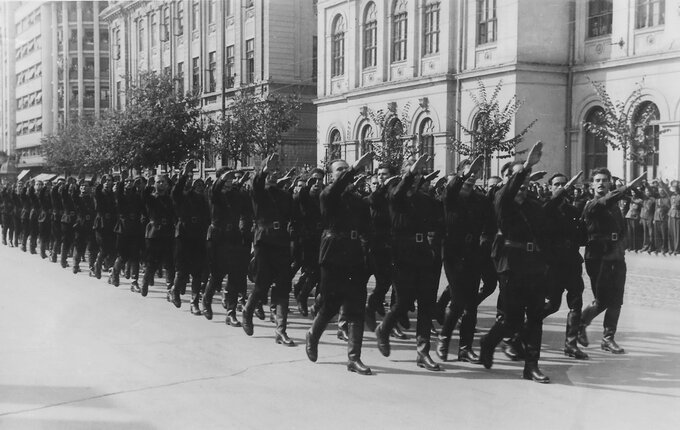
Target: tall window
[[212, 65], [119, 95], [399, 30], [165, 35], [426, 142], [180, 78], [370, 36], [599, 18], [338, 47], [431, 29], [196, 74], [250, 61], [650, 13], [651, 134], [195, 15], [229, 4], [486, 21], [229, 67], [180, 18], [595, 148], [315, 60], [366, 142], [154, 30], [335, 147], [211, 11], [140, 41]]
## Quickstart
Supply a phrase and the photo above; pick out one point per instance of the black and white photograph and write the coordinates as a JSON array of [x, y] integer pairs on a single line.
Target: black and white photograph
[[339, 214]]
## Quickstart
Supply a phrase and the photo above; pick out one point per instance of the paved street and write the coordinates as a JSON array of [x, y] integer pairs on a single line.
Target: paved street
[[78, 353]]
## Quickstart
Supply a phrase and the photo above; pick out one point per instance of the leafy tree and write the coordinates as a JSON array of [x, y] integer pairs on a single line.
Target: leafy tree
[[391, 150], [625, 125], [492, 125], [274, 116]]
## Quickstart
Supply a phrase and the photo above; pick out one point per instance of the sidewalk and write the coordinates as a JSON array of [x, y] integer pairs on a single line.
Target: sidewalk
[[78, 353]]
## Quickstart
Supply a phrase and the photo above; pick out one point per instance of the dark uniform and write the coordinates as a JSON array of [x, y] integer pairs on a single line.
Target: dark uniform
[[34, 204], [55, 221], [273, 212], [68, 219], [228, 245], [605, 264], [417, 225], [158, 236], [84, 237], [7, 214], [521, 265], [193, 218], [25, 215], [104, 222], [16, 201], [565, 269], [311, 227], [44, 220], [470, 225], [343, 267], [129, 232]]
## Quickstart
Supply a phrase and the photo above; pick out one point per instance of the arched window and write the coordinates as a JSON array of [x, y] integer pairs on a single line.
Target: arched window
[[366, 143], [370, 36], [477, 126], [338, 47], [647, 112], [335, 147], [595, 148], [399, 30], [426, 142]]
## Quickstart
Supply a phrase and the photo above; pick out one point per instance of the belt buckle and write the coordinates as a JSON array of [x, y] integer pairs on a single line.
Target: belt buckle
[[354, 234], [419, 238], [276, 225], [530, 247], [615, 237]]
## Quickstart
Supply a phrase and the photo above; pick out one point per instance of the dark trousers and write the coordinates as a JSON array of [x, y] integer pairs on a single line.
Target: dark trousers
[[414, 283], [464, 287], [127, 250], [230, 261], [661, 235], [489, 280], [18, 231], [381, 265], [83, 240], [67, 236], [56, 238], [44, 232], [523, 300], [33, 233], [272, 266], [25, 232], [106, 242], [342, 287], [7, 228], [190, 253], [561, 278], [632, 234], [607, 280], [673, 235], [159, 254]]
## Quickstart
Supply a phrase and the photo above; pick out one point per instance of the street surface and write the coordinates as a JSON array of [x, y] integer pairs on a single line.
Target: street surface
[[78, 353]]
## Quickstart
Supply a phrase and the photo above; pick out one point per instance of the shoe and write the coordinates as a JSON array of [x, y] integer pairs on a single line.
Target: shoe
[[145, 289], [425, 361], [207, 308], [609, 344], [486, 353], [259, 312], [398, 334], [533, 373], [369, 319], [383, 341], [232, 320], [76, 269], [513, 350], [582, 337], [195, 310], [311, 348], [404, 321], [442, 349], [302, 307], [247, 323], [134, 287], [575, 352], [281, 337], [342, 333], [272, 315], [225, 305], [357, 366], [468, 355]]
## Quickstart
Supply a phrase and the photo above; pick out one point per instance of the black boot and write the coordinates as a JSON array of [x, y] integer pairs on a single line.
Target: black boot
[[281, 320], [231, 319], [571, 348], [369, 318], [423, 358], [175, 297], [466, 354], [311, 347], [383, 341], [608, 342], [302, 306], [195, 308], [442, 350], [533, 373], [98, 266], [259, 311], [513, 348], [207, 299], [355, 330], [343, 333], [115, 273]]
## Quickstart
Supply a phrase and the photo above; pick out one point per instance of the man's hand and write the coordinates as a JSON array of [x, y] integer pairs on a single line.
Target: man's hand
[[432, 175], [637, 180], [363, 161], [537, 176], [228, 175], [360, 181], [419, 164], [474, 167], [244, 178], [271, 163], [393, 180], [569, 185], [534, 155]]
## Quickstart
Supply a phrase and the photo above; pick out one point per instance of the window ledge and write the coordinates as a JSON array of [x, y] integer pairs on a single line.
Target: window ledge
[[595, 39], [645, 30]]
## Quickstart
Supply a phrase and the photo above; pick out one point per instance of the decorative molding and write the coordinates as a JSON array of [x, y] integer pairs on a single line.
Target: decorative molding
[[363, 111], [424, 103], [392, 107]]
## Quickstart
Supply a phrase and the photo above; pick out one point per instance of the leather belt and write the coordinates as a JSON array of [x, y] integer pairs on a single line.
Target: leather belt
[[613, 237], [418, 237], [276, 225], [351, 234], [524, 246]]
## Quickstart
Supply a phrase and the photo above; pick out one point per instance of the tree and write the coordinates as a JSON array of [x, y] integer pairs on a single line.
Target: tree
[[625, 125], [254, 125], [391, 150], [492, 125]]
